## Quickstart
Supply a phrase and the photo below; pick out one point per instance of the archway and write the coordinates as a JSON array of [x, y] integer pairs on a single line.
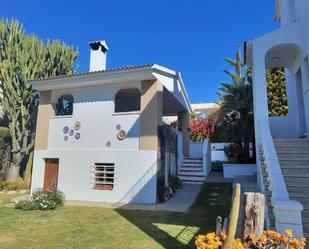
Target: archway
[[288, 57]]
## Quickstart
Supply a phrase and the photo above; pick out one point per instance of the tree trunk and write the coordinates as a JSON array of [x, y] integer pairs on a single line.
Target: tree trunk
[[253, 217], [5, 164], [13, 173]]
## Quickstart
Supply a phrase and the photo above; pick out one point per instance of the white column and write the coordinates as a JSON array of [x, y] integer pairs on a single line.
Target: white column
[[305, 84], [260, 106]]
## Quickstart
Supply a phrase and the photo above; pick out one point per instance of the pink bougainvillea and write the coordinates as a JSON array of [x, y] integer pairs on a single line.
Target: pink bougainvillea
[[201, 128]]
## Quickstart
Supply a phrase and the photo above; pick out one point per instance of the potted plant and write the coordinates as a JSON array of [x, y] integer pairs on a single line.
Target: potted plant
[[234, 152]]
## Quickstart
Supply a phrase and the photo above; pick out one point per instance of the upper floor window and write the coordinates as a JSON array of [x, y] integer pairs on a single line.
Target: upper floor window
[[64, 105], [128, 100]]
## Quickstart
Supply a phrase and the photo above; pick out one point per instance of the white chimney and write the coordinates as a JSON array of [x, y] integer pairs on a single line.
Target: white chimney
[[98, 56]]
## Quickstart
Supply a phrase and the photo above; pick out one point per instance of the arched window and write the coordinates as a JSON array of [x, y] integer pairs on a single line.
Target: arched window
[[128, 100], [64, 105]]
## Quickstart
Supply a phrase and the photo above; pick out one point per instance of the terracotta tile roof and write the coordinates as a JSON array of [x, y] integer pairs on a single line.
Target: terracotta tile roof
[[128, 67]]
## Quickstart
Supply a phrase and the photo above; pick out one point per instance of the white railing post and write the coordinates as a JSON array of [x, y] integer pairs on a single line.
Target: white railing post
[[206, 157]]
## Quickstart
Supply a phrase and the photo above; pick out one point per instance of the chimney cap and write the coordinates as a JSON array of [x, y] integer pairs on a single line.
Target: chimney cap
[[101, 43]]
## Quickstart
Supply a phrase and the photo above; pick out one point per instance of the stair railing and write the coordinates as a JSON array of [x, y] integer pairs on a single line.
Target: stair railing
[[287, 212], [206, 157], [275, 176]]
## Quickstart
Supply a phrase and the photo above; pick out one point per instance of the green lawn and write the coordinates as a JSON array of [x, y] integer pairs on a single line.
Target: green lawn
[[89, 227]]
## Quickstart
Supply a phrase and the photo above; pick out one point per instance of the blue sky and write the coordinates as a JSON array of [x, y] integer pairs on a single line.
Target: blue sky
[[190, 36]]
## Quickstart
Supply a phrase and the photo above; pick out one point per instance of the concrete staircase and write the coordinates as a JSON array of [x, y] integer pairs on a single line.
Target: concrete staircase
[[293, 155], [191, 171]]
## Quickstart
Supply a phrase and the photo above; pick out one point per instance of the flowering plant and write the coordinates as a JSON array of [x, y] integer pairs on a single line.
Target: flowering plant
[[269, 240], [41, 200], [201, 128]]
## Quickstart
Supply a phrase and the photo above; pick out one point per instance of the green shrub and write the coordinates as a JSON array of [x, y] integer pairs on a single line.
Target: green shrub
[[217, 166], [41, 200], [27, 204]]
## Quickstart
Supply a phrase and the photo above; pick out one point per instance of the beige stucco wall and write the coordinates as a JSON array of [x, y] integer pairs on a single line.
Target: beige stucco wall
[[151, 114], [45, 112]]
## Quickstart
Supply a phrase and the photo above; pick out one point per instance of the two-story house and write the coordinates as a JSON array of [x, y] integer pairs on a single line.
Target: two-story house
[[99, 134]]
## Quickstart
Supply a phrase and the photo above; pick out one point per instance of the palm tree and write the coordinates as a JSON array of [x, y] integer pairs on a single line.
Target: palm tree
[[237, 101]]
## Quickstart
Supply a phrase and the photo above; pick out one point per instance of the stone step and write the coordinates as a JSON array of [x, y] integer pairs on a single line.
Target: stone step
[[192, 173], [294, 146], [296, 181], [192, 163], [296, 171], [292, 190], [289, 162], [197, 166], [192, 178], [193, 160], [194, 169], [296, 176], [291, 141], [302, 199], [292, 156], [193, 182]]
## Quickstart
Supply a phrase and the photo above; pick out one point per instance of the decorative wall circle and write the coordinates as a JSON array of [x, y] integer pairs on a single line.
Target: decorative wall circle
[[66, 138], [77, 125], [77, 135], [66, 129], [118, 127], [71, 132], [121, 135], [108, 144]]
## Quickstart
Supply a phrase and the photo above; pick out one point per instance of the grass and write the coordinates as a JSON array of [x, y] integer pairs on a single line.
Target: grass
[[89, 227]]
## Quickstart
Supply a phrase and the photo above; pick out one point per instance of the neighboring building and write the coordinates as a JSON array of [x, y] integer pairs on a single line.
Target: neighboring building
[[100, 135], [203, 110], [283, 165]]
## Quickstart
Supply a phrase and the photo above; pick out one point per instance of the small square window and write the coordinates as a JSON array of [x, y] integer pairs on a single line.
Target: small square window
[[104, 176]]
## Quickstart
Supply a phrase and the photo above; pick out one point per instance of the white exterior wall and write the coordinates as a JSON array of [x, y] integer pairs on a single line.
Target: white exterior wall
[[135, 170], [135, 174], [94, 109], [196, 150]]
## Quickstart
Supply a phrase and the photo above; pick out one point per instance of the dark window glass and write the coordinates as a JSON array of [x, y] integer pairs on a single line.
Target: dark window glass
[[64, 105], [128, 100]]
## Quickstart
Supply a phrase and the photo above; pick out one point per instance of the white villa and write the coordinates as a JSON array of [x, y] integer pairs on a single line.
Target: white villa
[[283, 165], [100, 135]]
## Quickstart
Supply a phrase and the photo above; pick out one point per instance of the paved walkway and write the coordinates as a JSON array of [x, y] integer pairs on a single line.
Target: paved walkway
[[217, 177], [180, 202]]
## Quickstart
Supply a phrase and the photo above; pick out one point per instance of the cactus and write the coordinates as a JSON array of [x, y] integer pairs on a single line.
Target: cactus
[[23, 58], [233, 218]]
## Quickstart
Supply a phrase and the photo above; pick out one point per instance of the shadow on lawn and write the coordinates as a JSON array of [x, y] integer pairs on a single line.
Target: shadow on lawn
[[178, 230]]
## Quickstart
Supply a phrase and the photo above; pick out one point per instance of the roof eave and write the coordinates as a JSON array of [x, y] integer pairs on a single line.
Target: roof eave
[[93, 79]]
